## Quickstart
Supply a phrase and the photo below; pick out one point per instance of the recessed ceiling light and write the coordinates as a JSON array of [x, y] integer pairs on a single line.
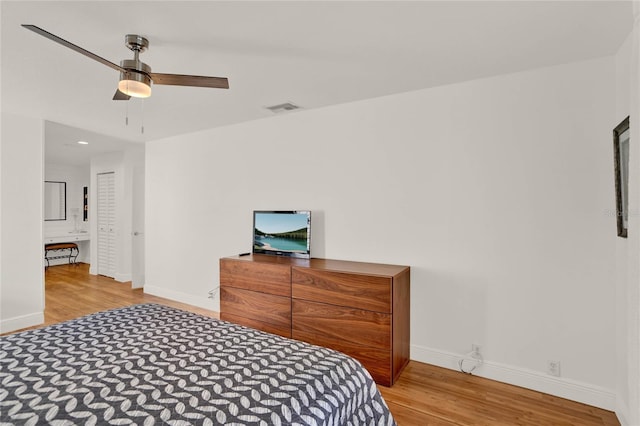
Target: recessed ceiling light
[[83, 143]]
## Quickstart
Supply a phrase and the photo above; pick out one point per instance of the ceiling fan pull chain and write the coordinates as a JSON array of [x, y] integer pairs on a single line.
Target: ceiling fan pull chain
[[142, 118]]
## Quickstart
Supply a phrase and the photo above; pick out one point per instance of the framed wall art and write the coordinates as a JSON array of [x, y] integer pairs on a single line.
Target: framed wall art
[[621, 163]]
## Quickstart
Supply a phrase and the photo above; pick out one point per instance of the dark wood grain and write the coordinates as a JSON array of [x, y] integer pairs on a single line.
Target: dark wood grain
[[368, 292], [356, 326], [271, 259], [364, 268], [364, 335], [264, 277], [284, 331], [275, 310], [348, 306], [377, 361], [401, 322]]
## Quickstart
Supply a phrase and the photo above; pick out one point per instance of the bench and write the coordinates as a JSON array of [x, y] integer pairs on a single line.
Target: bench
[[57, 247]]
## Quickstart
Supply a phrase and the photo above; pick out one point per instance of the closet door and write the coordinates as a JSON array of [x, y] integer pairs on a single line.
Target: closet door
[[106, 224]]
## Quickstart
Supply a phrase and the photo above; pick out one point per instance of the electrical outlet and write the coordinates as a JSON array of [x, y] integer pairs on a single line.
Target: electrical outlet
[[553, 368]]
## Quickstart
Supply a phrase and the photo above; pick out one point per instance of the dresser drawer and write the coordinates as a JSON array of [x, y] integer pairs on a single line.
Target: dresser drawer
[[267, 308], [265, 278], [364, 335], [284, 331], [376, 361], [359, 327], [372, 293]]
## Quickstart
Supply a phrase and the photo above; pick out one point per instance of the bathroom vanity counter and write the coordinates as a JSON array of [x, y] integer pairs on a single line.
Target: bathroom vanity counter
[[70, 237]]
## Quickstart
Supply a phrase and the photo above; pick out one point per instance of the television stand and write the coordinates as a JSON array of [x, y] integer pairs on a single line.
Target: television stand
[[361, 309]]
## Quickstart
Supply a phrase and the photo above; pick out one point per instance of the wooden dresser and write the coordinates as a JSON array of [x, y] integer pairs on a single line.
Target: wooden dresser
[[361, 309]]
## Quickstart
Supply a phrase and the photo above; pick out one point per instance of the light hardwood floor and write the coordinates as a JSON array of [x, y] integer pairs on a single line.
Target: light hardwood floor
[[424, 395]]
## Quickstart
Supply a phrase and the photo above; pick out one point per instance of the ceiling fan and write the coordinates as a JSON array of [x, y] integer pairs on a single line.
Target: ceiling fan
[[136, 76]]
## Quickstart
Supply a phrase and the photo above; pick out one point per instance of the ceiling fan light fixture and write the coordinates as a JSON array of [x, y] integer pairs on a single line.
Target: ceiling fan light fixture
[[135, 84], [136, 76]]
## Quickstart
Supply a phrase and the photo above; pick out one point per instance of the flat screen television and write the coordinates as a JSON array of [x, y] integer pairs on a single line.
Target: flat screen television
[[282, 233]]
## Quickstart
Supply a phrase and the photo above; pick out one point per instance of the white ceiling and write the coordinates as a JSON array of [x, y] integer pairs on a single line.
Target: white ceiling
[[62, 147], [313, 54]]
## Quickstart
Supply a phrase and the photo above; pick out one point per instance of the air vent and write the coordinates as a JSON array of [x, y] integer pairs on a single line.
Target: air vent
[[277, 109]]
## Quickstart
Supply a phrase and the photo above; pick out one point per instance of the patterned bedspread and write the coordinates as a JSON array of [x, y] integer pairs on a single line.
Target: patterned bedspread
[[151, 364]]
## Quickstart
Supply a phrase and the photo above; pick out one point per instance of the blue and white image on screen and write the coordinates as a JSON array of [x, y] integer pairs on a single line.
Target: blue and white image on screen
[[281, 231]]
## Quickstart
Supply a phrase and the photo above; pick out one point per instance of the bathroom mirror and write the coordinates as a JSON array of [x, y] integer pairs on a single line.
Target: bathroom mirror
[[55, 200]]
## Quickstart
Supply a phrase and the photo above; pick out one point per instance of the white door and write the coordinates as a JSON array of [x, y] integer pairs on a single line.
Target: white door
[[106, 215], [137, 225]]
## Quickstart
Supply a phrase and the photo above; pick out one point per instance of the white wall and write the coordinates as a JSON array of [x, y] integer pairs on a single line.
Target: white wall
[[496, 192], [624, 262], [21, 195], [628, 250], [134, 161], [133, 158]]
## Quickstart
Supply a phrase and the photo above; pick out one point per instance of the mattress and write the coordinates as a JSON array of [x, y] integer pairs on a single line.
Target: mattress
[[152, 364]]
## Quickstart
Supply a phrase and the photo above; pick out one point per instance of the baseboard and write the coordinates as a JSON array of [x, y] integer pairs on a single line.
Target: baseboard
[[565, 388], [201, 302], [17, 323], [622, 412], [122, 278]]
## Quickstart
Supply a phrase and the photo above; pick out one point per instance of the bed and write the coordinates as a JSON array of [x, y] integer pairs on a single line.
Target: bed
[[152, 364]]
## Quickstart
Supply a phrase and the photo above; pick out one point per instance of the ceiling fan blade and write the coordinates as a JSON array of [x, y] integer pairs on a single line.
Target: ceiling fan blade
[[72, 46], [189, 80], [119, 96]]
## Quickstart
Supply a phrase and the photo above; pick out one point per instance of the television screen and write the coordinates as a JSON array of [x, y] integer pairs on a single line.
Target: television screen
[[283, 233]]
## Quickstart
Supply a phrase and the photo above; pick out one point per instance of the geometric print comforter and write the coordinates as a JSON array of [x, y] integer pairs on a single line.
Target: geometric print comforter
[[151, 364]]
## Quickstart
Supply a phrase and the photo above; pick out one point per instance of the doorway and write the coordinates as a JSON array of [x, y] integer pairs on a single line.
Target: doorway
[[137, 225]]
